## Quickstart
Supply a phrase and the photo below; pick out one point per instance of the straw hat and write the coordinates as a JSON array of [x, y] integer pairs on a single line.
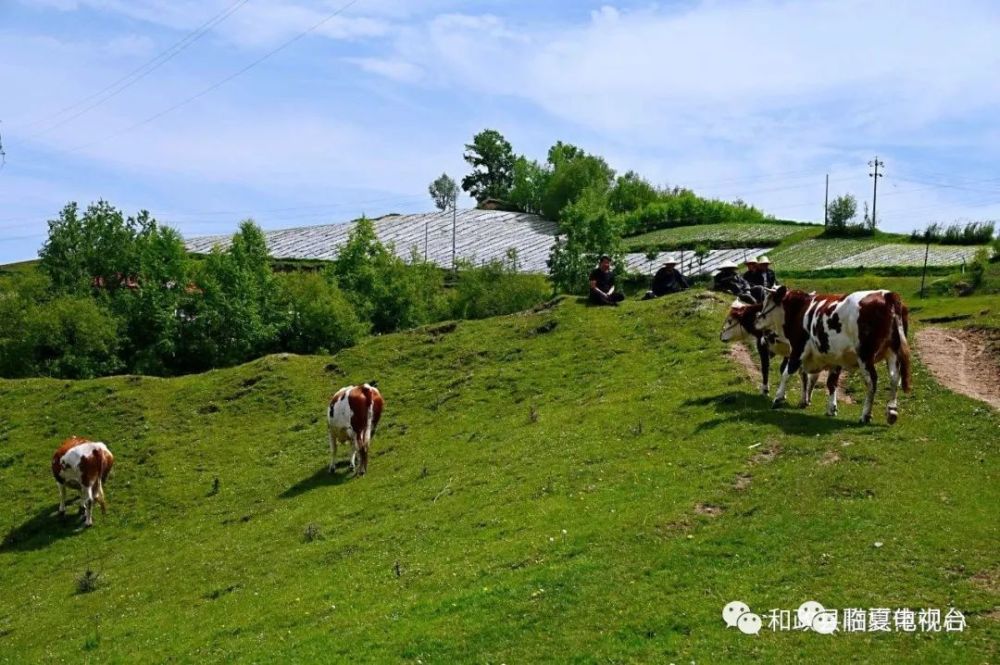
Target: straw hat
[[670, 261], [763, 259], [728, 264]]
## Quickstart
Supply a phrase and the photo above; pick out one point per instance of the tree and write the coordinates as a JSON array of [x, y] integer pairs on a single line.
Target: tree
[[492, 161], [444, 191], [530, 180], [841, 211], [572, 172], [631, 192]]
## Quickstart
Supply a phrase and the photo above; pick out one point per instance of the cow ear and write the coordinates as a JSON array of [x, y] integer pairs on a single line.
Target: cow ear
[[779, 294]]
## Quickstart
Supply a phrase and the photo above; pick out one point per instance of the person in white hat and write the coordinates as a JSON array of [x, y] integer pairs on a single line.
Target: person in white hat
[[729, 280], [667, 280], [763, 276]]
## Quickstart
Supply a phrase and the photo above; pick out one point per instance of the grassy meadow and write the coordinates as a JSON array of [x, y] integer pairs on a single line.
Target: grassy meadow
[[573, 484]]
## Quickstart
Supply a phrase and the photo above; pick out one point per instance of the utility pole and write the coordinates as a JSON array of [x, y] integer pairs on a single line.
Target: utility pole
[[826, 201], [927, 251], [454, 226], [875, 175]]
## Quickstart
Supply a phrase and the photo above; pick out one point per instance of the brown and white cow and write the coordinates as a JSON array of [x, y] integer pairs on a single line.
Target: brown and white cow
[[740, 326], [83, 465], [353, 416], [836, 331]]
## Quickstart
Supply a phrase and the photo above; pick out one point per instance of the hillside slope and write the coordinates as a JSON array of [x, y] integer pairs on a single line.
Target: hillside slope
[[535, 494]]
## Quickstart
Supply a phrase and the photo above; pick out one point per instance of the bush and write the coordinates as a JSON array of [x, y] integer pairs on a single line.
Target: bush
[[971, 233], [384, 290], [67, 337], [496, 288], [319, 317]]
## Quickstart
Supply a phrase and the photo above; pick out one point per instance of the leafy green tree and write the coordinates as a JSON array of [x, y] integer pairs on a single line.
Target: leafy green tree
[[841, 211], [444, 191], [98, 246], [630, 192], [573, 172], [530, 180], [385, 291], [492, 161], [233, 315]]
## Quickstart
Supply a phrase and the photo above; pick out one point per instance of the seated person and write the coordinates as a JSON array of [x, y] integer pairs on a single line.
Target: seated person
[[766, 276], [602, 284], [667, 280], [751, 274], [728, 280]]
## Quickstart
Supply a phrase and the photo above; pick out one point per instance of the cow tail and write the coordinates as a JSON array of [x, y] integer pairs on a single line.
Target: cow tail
[[901, 325], [366, 389]]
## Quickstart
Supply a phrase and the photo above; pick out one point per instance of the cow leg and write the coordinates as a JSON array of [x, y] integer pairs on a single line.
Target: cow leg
[[99, 495], [354, 453], [789, 367], [333, 449], [87, 501], [871, 382], [891, 409], [808, 383], [832, 382], [363, 467], [765, 364], [62, 499]]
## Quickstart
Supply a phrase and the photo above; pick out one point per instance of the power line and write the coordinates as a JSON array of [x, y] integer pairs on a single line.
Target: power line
[[220, 82], [133, 77]]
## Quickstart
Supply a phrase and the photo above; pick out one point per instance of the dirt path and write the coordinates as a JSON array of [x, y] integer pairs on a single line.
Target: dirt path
[[741, 355], [962, 360]]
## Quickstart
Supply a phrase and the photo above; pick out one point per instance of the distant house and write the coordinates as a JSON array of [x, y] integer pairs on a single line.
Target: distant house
[[496, 204]]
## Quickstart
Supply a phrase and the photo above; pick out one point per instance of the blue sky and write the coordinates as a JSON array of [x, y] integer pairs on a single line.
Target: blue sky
[[757, 100]]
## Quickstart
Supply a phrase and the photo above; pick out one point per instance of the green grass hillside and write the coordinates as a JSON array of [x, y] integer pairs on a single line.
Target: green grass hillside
[[570, 485]]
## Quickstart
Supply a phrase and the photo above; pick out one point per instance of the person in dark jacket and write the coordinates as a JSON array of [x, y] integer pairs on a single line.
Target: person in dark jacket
[[602, 285], [751, 274], [765, 276], [729, 280], [667, 280]]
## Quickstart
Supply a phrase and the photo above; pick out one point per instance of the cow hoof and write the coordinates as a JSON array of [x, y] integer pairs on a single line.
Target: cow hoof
[[892, 416], [865, 419], [803, 405], [832, 413], [764, 390], [778, 403]]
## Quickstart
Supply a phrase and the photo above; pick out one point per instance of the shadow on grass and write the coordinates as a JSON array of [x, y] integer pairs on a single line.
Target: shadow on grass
[[45, 528], [322, 478], [743, 406]]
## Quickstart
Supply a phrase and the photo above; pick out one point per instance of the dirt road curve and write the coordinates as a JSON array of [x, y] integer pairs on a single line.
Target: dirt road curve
[[961, 360]]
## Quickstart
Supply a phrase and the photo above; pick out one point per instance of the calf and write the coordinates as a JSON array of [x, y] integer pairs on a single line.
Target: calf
[[740, 326], [353, 416], [835, 331], [83, 465]]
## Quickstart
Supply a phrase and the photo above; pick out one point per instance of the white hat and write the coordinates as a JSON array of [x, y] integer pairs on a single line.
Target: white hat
[[763, 259], [670, 260], [728, 264]]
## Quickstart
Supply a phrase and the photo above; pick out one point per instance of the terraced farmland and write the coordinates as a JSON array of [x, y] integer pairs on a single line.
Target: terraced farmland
[[733, 235], [820, 254]]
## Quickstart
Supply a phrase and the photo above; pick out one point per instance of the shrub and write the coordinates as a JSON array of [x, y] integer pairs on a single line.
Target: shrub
[[496, 288], [971, 233], [319, 317], [67, 337], [87, 582]]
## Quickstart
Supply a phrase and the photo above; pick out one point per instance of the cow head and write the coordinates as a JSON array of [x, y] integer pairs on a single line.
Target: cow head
[[733, 328], [772, 314]]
